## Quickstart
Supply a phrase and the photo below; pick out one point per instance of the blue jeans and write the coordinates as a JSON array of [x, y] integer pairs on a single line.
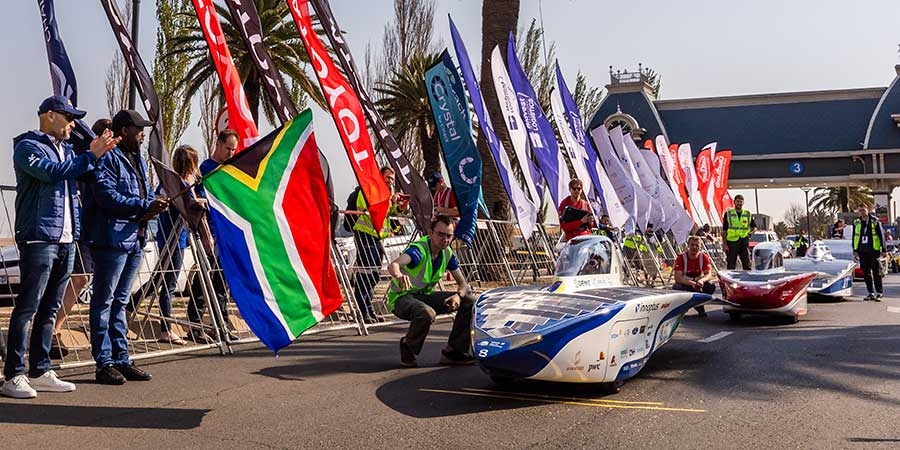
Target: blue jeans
[[44, 271], [114, 270], [369, 253], [170, 283]]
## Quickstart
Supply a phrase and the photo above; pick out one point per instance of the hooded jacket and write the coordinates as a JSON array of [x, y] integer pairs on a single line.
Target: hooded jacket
[[41, 181]]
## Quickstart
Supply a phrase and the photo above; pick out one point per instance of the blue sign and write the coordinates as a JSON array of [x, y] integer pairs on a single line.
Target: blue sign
[[796, 167]]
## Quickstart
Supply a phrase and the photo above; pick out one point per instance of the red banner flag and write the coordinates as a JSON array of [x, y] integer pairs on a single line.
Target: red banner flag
[[704, 175], [348, 116], [240, 119], [721, 167], [679, 180]]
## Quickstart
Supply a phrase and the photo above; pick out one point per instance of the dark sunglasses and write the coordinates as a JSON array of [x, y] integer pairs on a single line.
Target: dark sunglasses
[[69, 117]]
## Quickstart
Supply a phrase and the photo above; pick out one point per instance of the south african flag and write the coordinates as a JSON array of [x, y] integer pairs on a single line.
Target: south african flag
[[270, 214]]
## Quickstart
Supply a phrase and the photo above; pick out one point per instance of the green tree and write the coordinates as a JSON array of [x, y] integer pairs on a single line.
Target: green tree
[[404, 105], [175, 105], [408, 49], [587, 97], [498, 18], [835, 200], [782, 229], [280, 37]]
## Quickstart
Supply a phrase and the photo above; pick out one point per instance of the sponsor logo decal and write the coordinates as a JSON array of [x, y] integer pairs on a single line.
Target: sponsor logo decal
[[612, 361], [647, 308], [576, 364]]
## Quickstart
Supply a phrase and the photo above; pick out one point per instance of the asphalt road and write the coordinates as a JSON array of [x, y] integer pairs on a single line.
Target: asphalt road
[[831, 381]]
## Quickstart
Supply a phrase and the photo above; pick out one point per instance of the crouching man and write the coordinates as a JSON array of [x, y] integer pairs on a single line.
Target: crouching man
[[411, 295], [692, 271]]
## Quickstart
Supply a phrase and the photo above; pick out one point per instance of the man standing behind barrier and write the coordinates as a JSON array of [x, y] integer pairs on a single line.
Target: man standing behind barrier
[[411, 295], [47, 225], [737, 226], [868, 245], [226, 144], [122, 203], [369, 250]]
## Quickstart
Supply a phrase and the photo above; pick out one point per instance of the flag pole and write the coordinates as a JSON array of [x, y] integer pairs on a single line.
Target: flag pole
[[135, 27]]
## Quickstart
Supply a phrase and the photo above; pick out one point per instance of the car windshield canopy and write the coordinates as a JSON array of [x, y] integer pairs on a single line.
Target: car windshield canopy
[[759, 237], [767, 257], [585, 256]]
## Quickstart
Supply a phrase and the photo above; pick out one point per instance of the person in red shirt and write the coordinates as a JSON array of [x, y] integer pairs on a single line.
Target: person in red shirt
[[576, 200], [444, 198], [692, 271]]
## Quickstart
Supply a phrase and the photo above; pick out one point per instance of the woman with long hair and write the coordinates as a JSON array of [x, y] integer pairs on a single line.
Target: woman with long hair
[[170, 230]]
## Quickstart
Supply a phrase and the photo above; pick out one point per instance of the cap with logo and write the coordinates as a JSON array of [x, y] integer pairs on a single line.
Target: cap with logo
[[60, 104], [127, 118]]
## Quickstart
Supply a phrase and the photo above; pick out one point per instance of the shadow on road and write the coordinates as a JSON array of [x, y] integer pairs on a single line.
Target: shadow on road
[[102, 416], [768, 362]]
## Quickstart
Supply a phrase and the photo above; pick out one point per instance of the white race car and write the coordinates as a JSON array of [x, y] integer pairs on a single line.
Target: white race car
[[586, 327]]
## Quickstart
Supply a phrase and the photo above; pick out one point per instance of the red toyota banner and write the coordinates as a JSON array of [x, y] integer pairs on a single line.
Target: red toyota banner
[[704, 175], [348, 116], [721, 168], [679, 180], [240, 118]]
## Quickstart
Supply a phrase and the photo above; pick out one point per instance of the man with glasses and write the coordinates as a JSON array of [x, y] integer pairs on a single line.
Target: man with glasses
[[47, 225], [411, 295]]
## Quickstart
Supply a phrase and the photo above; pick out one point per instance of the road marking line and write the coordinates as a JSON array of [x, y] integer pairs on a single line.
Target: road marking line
[[893, 309], [553, 397], [595, 405], [715, 337]]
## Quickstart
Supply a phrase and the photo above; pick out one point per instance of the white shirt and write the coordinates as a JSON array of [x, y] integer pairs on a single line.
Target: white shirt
[[66, 237]]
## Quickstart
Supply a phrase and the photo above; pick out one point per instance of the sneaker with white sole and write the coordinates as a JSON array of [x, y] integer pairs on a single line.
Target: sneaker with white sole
[[49, 382], [18, 387]]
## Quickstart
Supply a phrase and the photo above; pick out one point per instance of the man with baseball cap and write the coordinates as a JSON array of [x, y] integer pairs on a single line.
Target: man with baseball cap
[[444, 199], [47, 225], [119, 207]]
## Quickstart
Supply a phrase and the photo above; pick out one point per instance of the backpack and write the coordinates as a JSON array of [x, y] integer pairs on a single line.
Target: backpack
[[350, 219]]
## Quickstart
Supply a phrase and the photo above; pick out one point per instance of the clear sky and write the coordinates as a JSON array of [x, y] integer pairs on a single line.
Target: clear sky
[[701, 48]]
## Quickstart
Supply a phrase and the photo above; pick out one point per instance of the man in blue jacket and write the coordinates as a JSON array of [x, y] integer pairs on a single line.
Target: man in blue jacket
[[47, 225], [120, 205]]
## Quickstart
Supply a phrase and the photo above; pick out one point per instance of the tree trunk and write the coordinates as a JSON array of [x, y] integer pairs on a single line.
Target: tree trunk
[[431, 148], [498, 18], [252, 90]]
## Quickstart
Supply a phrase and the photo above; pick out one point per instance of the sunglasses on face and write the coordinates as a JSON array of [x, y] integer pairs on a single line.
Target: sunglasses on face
[[69, 117], [575, 189]]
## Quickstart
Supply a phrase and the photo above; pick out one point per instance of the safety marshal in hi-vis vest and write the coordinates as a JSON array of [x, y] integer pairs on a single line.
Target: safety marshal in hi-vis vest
[[737, 226], [868, 245], [411, 295]]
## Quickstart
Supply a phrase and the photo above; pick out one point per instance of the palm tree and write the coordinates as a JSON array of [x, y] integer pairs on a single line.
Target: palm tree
[[840, 199], [280, 37], [403, 102], [498, 18]]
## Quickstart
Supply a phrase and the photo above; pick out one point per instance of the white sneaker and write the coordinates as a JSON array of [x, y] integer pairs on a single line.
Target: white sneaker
[[49, 382], [18, 387]]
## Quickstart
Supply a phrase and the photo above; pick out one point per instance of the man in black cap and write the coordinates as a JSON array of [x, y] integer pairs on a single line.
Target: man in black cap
[[47, 225], [119, 207]]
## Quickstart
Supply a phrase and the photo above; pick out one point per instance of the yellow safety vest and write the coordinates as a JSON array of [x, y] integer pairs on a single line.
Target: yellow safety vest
[[364, 221], [424, 276], [857, 232], [738, 225]]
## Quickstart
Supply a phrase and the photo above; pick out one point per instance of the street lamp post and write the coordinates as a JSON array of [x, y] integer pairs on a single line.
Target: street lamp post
[[806, 190]]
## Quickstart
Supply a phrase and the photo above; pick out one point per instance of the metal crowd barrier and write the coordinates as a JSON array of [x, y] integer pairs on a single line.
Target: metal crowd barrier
[[203, 315]]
